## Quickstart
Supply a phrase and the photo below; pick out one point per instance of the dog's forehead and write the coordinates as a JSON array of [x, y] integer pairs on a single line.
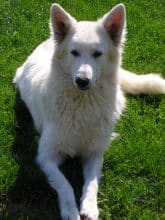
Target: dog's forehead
[[87, 32]]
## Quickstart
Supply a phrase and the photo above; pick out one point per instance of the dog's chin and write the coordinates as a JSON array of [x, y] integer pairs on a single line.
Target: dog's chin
[[83, 88]]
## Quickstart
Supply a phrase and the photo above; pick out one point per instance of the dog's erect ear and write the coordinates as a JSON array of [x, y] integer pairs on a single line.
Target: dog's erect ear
[[61, 22], [114, 23]]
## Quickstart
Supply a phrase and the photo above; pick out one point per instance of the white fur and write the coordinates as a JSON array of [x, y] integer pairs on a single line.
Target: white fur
[[135, 84], [72, 121]]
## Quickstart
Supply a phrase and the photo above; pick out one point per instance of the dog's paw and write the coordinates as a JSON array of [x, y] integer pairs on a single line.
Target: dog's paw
[[68, 214], [89, 211]]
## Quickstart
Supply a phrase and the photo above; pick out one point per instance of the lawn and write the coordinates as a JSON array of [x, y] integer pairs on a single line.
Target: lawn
[[133, 181]]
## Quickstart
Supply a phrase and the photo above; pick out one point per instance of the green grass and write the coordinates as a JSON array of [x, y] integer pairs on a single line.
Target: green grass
[[133, 174]]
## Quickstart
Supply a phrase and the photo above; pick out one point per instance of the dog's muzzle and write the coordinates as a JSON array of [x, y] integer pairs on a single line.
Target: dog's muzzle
[[82, 83]]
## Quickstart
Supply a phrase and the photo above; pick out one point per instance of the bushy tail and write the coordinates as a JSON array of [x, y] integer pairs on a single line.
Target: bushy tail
[[141, 84]]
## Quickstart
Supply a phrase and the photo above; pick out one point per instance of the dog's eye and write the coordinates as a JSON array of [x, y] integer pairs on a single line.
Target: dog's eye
[[75, 53], [97, 54]]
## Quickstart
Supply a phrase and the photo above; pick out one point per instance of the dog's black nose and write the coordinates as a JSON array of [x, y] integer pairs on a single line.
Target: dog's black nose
[[82, 83]]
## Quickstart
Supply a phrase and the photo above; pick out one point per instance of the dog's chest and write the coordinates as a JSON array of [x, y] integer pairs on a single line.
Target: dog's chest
[[81, 120]]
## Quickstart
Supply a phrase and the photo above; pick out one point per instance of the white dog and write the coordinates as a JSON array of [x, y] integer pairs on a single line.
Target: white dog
[[72, 85]]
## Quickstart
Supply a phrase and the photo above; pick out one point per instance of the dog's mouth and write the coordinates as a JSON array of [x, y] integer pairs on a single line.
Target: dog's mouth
[[84, 88]]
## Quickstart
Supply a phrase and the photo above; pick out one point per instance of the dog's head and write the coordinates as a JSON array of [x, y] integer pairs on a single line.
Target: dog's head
[[88, 50]]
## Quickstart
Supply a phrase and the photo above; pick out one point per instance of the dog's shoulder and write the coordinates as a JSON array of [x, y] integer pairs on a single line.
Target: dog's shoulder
[[37, 64]]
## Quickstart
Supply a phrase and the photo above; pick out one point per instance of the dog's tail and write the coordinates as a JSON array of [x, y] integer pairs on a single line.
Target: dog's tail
[[141, 84]]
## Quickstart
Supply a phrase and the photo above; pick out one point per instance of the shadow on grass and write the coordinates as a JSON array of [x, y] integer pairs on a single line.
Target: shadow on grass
[[31, 197], [150, 100]]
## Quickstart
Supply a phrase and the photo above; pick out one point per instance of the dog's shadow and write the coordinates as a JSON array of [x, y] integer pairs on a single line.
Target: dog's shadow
[[30, 197], [149, 100]]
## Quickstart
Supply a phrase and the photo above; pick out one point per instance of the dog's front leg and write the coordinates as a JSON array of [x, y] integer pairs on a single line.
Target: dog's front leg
[[49, 161], [92, 166]]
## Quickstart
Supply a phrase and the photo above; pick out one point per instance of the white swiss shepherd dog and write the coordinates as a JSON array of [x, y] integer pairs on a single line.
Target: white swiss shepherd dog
[[73, 86]]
